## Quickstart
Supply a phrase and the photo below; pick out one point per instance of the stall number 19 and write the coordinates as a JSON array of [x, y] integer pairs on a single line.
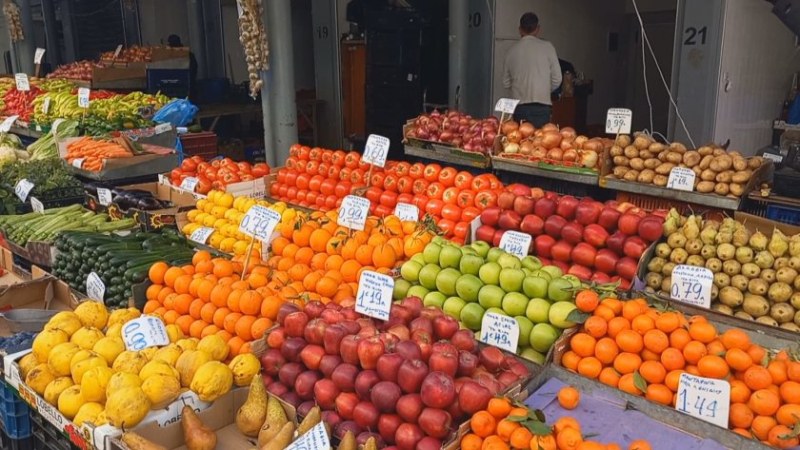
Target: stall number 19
[[695, 36]]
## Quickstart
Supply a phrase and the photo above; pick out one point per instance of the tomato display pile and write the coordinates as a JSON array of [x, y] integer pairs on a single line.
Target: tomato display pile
[[217, 173]]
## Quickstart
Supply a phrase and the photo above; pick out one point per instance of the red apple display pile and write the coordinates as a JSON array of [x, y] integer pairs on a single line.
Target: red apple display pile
[[552, 145], [408, 381], [455, 128], [595, 241]]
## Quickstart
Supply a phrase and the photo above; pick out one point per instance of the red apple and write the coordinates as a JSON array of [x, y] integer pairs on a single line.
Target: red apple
[[629, 223], [491, 358], [407, 436], [328, 364], [543, 246], [271, 361], [411, 374], [311, 356], [387, 366], [583, 254], [331, 316], [285, 310], [388, 425], [331, 418], [365, 381], [278, 389], [595, 235], [325, 393], [491, 215], [651, 228], [626, 268], [561, 251], [532, 224], [409, 407], [509, 220], [401, 331], [344, 377], [291, 348], [518, 189], [345, 404], [289, 373], [553, 226], [333, 337], [435, 422], [524, 205], [616, 242], [467, 363], [437, 390], [537, 193], [600, 278], [366, 415], [484, 233], [473, 397], [464, 340], [634, 247], [429, 443], [587, 213], [606, 261], [304, 384], [572, 232], [421, 323], [497, 237], [295, 324], [445, 361], [315, 331], [608, 219], [582, 272], [345, 426], [408, 350], [348, 349], [567, 206], [413, 304], [444, 327], [545, 207], [385, 395]]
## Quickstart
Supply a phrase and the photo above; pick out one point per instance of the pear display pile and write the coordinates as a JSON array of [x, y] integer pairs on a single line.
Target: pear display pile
[[755, 275]]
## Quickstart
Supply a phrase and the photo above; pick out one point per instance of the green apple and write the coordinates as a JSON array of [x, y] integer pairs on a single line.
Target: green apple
[[532, 355], [514, 304], [525, 328], [472, 315], [489, 273], [449, 256], [467, 250], [410, 271], [491, 296], [509, 261], [417, 291], [559, 290], [543, 336], [511, 279], [470, 264], [446, 281], [453, 306], [494, 253], [527, 271], [534, 286], [481, 247], [440, 240], [428, 274], [468, 286], [431, 253], [435, 299], [419, 259], [542, 274], [401, 288], [531, 262], [538, 310], [559, 311], [576, 282], [554, 271]]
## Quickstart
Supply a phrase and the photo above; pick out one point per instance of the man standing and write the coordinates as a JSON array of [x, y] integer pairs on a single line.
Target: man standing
[[532, 72]]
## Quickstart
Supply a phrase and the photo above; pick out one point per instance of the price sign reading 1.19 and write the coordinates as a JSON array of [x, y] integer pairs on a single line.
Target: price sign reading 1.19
[[260, 222], [707, 399], [692, 285], [144, 332], [619, 121], [353, 212], [516, 243], [374, 296], [376, 150], [500, 331]]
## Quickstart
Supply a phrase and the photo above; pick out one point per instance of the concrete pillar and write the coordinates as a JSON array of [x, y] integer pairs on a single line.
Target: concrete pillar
[[280, 81], [65, 9], [26, 47], [196, 41], [53, 54], [458, 52]]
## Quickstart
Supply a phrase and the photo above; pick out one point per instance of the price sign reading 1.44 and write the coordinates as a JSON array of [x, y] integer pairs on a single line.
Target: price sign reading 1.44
[[516, 243], [374, 296], [260, 222], [692, 285], [144, 332], [353, 212], [500, 331], [376, 150], [707, 399], [619, 121]]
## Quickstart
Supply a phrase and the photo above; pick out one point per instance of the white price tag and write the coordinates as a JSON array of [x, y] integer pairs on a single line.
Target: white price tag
[[38, 55], [406, 212], [46, 105], [162, 128], [95, 288], [707, 399], [773, 157], [77, 163], [5, 127], [260, 222], [36, 205], [506, 105], [22, 189], [681, 179], [83, 97], [117, 51], [313, 439], [201, 234], [619, 121], [353, 212], [692, 285], [376, 150], [147, 331], [22, 82], [500, 331], [516, 243], [374, 296], [473, 228], [189, 183], [104, 196]]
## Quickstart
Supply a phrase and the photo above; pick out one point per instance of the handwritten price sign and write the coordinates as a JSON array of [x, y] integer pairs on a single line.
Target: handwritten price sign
[[104, 196], [95, 288], [692, 285], [22, 189], [681, 179], [189, 183], [162, 128], [376, 150], [353, 212], [316, 438], [516, 243], [619, 121], [260, 222], [38, 55], [36, 205], [500, 331], [406, 212], [201, 234], [506, 105], [83, 97], [374, 296], [5, 127], [23, 84], [704, 398], [144, 332]]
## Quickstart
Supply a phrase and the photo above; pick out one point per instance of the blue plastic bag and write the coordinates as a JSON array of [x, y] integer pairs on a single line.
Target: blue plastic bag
[[179, 112]]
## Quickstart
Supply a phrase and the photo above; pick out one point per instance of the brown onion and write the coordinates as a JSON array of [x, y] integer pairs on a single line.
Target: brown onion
[[580, 140], [593, 145], [570, 155], [514, 136], [551, 139], [567, 143], [539, 152], [568, 133], [555, 154], [526, 147], [549, 127], [511, 148], [508, 126], [527, 129], [589, 159]]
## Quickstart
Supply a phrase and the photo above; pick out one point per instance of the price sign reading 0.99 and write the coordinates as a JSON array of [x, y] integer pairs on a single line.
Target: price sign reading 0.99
[[707, 399], [500, 331], [260, 222], [692, 285], [374, 296], [376, 150], [144, 332], [619, 121], [516, 243], [353, 212]]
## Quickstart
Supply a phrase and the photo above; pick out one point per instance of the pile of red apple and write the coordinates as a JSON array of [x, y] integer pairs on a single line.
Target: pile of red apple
[[589, 239], [456, 128], [408, 381]]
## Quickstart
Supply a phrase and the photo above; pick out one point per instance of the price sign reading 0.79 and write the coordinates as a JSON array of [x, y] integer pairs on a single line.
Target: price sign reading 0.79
[[260, 222], [692, 285], [353, 212]]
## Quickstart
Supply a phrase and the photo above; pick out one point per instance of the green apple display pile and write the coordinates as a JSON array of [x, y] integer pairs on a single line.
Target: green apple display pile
[[468, 281]]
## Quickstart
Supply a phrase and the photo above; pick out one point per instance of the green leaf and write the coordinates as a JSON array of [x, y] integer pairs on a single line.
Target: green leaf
[[518, 419], [792, 434], [539, 415], [639, 382], [577, 316], [538, 428]]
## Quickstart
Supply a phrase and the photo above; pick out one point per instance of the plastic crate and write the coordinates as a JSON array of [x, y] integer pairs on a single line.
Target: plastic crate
[[14, 414], [784, 214], [203, 143], [16, 444], [46, 436]]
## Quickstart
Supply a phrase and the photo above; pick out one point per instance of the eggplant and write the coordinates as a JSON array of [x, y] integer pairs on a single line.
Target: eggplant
[[148, 203]]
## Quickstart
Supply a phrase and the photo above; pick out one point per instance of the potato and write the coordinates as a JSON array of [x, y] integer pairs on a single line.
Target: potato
[[718, 151], [705, 186], [620, 171], [755, 162], [631, 175], [708, 175], [674, 157], [737, 189], [734, 153], [621, 161], [739, 163], [651, 163], [662, 156], [623, 140], [742, 177], [657, 147], [721, 189], [721, 163], [705, 162], [631, 151], [660, 180], [646, 176], [645, 154], [677, 147], [691, 158], [642, 142], [705, 150], [724, 177], [616, 150], [665, 168], [636, 163]]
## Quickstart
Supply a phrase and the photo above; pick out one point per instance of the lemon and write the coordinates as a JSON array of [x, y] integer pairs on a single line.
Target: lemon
[[201, 203], [219, 223], [199, 218], [225, 200], [209, 220], [227, 244], [215, 240], [191, 215]]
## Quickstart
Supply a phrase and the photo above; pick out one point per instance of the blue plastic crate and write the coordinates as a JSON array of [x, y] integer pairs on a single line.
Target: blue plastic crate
[[784, 214], [14, 413]]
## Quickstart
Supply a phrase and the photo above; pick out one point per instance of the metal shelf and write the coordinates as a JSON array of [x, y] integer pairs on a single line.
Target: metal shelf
[[581, 178], [710, 200], [446, 156]]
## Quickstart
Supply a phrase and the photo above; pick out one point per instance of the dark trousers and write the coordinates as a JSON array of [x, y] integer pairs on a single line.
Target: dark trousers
[[535, 113]]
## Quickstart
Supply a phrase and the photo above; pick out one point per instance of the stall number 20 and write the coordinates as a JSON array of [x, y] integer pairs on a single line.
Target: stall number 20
[[695, 36], [474, 20]]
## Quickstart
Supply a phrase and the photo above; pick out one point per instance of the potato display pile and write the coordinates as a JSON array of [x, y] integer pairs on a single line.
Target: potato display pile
[[254, 40], [718, 171], [11, 11], [755, 276]]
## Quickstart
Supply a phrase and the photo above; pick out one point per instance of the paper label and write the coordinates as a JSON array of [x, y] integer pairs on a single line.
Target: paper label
[[22, 82], [46, 105], [163, 179], [38, 55], [619, 121], [83, 97], [374, 296], [95, 288], [147, 331], [162, 128], [174, 410], [516, 243], [707, 399], [22, 189], [313, 439], [77, 163], [773, 157], [117, 51], [260, 222], [10, 368], [201, 234], [189, 183], [473, 228], [353, 212], [8, 123], [692, 285], [681, 179], [376, 150], [500, 331], [506, 105], [406, 212], [104, 196], [36, 205]]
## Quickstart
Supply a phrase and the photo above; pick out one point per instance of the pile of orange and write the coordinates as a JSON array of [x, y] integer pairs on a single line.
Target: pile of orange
[[643, 351]]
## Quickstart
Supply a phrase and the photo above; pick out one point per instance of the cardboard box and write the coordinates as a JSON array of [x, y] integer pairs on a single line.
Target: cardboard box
[[253, 188], [152, 219], [764, 225], [39, 291], [157, 160], [12, 274]]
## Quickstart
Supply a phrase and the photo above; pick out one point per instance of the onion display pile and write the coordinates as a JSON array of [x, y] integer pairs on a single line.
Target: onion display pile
[[11, 11], [456, 128], [550, 144], [254, 40]]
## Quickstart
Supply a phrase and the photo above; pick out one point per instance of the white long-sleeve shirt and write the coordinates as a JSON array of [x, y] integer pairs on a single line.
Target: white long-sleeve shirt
[[531, 70]]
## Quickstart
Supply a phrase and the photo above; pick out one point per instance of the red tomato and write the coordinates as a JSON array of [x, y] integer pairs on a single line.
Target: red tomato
[[446, 226], [417, 170], [320, 200], [304, 153], [463, 180], [292, 192], [312, 168], [301, 165], [274, 189], [451, 212], [420, 186], [333, 172], [323, 169], [338, 158], [420, 201], [448, 176], [311, 197], [390, 183], [373, 194], [481, 182], [315, 183], [327, 156], [302, 181], [357, 176], [229, 178], [461, 229], [217, 163], [175, 173], [342, 189], [281, 177], [217, 185], [363, 165], [291, 162], [344, 173], [469, 213], [189, 165], [330, 202], [291, 178], [383, 211], [328, 186], [389, 199], [260, 170], [405, 198], [246, 177], [450, 195], [203, 166], [212, 174], [283, 190], [402, 168], [465, 199], [244, 166], [294, 150], [485, 199], [434, 207], [377, 179], [405, 184], [435, 190], [494, 182], [431, 172], [352, 159]]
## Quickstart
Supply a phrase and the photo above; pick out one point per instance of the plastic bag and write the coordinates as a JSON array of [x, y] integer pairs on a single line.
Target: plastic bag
[[178, 112]]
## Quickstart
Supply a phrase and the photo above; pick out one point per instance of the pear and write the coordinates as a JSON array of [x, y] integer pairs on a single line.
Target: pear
[[707, 235], [723, 237], [253, 412], [758, 241], [371, 444], [672, 222], [282, 439], [312, 418], [348, 442], [741, 236], [136, 442], [778, 244], [276, 417], [196, 435], [691, 229]]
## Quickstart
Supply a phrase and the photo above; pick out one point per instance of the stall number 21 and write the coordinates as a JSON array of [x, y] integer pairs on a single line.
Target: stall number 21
[[695, 36]]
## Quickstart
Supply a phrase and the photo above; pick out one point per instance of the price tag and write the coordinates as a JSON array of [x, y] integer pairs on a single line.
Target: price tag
[[681, 179], [22, 189], [516, 243], [36, 205], [189, 183], [46, 105], [162, 128], [619, 121], [406, 212], [773, 157], [148, 331], [83, 97], [201, 234], [473, 228], [5, 127], [38, 55], [376, 150], [374, 296], [692, 285], [22, 82], [353, 212], [95, 288], [77, 163], [314, 439], [707, 399], [104, 196], [260, 222], [506, 105], [117, 51], [500, 331]]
